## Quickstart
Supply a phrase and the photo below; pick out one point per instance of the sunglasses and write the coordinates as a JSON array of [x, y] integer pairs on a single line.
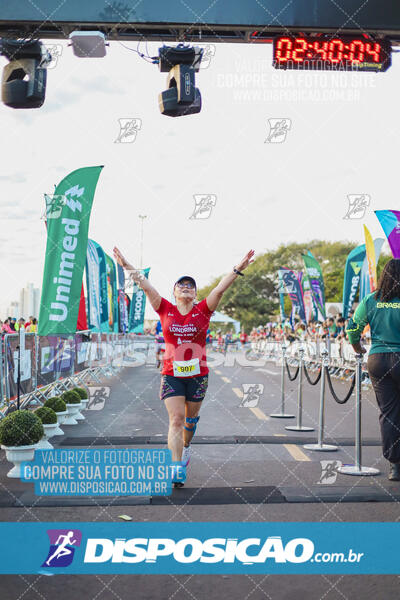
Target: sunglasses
[[188, 284]]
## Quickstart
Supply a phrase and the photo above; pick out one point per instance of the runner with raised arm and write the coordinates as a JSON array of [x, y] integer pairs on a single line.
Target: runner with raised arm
[[185, 373]]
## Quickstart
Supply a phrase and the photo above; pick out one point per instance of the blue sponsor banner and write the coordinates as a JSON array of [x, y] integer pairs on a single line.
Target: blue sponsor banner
[[352, 276], [104, 326], [295, 291], [138, 306], [204, 548], [99, 472], [93, 286]]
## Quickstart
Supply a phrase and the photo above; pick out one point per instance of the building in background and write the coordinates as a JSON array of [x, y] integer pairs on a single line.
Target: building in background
[[28, 304], [13, 310], [29, 301]]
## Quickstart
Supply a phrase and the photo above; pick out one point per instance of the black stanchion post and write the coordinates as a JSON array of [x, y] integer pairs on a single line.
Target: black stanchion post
[[357, 469], [282, 414], [300, 426], [320, 446]]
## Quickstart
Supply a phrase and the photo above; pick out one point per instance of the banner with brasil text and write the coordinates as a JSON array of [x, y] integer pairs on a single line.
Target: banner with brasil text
[[138, 305], [390, 221], [352, 276], [316, 280], [67, 235]]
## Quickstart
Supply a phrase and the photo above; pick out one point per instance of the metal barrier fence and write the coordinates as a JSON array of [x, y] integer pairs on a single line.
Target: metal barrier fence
[[329, 360], [341, 356], [51, 364]]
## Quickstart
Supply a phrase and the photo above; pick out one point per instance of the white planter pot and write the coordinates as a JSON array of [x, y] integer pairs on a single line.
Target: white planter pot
[[72, 411], [49, 431], [79, 416], [17, 455], [61, 416], [84, 402]]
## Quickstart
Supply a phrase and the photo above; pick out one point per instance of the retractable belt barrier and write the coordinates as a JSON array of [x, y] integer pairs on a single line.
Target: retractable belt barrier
[[52, 364], [331, 360]]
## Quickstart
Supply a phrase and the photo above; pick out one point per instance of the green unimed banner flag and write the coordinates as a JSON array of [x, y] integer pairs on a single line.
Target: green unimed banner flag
[[67, 237]]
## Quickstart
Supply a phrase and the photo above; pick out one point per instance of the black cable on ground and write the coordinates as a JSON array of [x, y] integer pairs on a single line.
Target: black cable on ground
[[338, 400], [308, 377], [288, 372]]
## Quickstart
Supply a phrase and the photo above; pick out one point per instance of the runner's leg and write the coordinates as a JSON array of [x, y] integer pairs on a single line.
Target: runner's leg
[[192, 410], [175, 406]]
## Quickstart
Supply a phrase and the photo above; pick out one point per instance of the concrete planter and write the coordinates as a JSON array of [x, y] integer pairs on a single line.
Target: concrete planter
[[49, 431], [61, 416], [72, 412], [17, 455]]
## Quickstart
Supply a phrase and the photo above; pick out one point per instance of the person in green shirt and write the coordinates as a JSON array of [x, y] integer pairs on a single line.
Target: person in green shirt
[[381, 310], [20, 323]]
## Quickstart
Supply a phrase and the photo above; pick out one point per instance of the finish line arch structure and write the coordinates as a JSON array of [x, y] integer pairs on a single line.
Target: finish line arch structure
[[198, 20]]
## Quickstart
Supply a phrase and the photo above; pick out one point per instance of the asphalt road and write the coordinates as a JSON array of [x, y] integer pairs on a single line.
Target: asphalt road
[[246, 467]]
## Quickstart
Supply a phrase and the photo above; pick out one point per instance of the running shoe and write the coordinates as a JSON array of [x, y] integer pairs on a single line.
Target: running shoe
[[186, 453], [178, 472]]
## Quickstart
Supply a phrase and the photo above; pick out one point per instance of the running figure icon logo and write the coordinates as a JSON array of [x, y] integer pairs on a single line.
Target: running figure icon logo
[[62, 547], [287, 287], [208, 53], [55, 51], [97, 397], [203, 205], [329, 471], [278, 129], [54, 205], [251, 394], [128, 129], [358, 204]]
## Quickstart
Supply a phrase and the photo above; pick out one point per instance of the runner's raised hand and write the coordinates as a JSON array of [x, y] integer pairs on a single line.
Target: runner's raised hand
[[244, 263], [121, 260]]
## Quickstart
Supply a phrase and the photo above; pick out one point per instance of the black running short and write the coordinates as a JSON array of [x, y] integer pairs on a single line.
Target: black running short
[[193, 388]]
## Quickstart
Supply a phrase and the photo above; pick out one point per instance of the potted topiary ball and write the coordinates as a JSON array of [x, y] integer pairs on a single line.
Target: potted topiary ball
[[73, 402], [59, 407], [19, 434], [84, 401], [49, 421]]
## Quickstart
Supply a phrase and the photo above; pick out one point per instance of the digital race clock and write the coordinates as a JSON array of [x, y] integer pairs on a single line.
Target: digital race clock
[[326, 51]]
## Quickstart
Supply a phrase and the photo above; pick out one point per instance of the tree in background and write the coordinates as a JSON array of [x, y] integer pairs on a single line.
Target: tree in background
[[254, 300]]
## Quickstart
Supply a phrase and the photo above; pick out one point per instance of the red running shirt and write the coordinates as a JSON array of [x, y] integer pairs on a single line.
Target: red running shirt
[[184, 335]]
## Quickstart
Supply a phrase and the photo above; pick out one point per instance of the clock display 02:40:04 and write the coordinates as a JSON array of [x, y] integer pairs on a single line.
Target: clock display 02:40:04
[[292, 52]]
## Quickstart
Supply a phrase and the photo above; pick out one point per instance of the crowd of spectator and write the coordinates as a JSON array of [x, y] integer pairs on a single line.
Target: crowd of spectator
[[332, 327], [221, 340], [12, 325]]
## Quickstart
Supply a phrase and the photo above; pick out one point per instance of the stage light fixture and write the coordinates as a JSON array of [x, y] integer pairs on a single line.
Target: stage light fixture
[[182, 96], [24, 77]]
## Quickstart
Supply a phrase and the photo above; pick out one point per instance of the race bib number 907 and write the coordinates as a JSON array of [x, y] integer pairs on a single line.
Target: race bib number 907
[[186, 368]]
